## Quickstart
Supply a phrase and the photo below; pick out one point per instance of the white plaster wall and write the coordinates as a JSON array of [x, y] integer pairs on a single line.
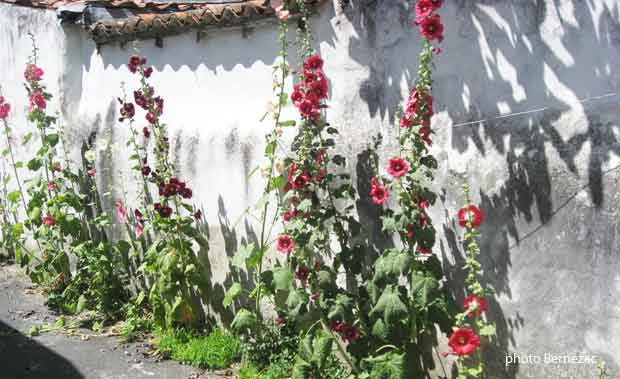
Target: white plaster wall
[[541, 165]]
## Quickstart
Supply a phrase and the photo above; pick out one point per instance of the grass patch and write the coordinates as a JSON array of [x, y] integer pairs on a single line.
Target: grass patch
[[218, 349]]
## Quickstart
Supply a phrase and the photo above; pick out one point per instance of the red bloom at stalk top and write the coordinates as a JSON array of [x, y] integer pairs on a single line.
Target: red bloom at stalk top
[[424, 8], [5, 108], [432, 28], [464, 342], [475, 305], [471, 213], [398, 167], [33, 73], [285, 244]]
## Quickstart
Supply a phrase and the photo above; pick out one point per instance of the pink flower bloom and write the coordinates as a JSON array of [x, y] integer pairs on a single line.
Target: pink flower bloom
[[48, 220], [33, 73], [51, 186], [57, 167], [398, 167], [139, 230], [120, 212], [285, 244], [4, 110], [91, 172], [281, 12], [378, 192], [464, 342], [475, 305], [37, 99]]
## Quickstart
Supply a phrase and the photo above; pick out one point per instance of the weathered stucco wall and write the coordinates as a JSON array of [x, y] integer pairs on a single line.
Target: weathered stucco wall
[[542, 164]]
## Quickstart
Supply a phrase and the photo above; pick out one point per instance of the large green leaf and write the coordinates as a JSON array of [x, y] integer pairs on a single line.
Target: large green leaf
[[390, 307], [424, 287], [282, 278], [387, 366], [233, 292], [244, 320], [390, 265]]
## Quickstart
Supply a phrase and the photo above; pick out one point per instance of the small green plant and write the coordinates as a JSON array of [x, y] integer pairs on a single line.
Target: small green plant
[[218, 349], [269, 342], [602, 370]]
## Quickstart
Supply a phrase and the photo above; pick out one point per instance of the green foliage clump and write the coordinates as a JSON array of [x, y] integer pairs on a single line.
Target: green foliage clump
[[218, 349]]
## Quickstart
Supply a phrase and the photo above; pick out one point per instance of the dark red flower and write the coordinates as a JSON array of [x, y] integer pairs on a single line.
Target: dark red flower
[[138, 215], [280, 320], [146, 170], [297, 96], [37, 100], [285, 244], [432, 28], [91, 172], [410, 232], [198, 214], [33, 73], [140, 100], [128, 110], [350, 333], [57, 167], [398, 167], [378, 192], [308, 109], [425, 133], [336, 326], [146, 132], [475, 305], [424, 204], [302, 273], [151, 118], [301, 180], [318, 178], [186, 193], [164, 211], [314, 63], [424, 250], [464, 341], [471, 213], [148, 71]]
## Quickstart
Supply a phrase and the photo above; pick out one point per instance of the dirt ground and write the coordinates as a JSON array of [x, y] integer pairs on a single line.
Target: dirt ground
[[78, 355]]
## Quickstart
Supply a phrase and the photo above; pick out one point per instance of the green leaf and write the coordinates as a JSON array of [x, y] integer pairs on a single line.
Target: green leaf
[[287, 123], [233, 292], [388, 366], [282, 278], [52, 139], [81, 304], [27, 137], [35, 164], [242, 255], [14, 196], [424, 287], [391, 265], [244, 320], [390, 307]]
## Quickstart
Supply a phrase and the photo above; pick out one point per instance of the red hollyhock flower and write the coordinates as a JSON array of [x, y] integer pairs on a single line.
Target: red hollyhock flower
[[320, 175], [4, 110], [308, 109], [57, 167], [301, 180], [425, 133], [198, 214], [475, 305], [398, 167], [51, 186], [148, 71], [48, 220], [164, 211], [297, 96], [146, 170], [410, 232], [424, 204], [285, 244], [37, 99], [139, 216], [140, 100], [432, 28], [151, 118], [314, 296], [472, 213], [280, 320], [350, 333], [424, 220], [424, 8], [314, 63], [91, 172], [424, 250], [377, 192], [464, 341], [146, 132], [186, 193]]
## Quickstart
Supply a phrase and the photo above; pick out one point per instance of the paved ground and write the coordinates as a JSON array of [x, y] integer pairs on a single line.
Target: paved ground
[[58, 356]]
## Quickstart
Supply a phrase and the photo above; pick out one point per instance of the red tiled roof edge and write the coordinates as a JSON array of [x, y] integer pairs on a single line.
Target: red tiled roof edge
[[153, 25]]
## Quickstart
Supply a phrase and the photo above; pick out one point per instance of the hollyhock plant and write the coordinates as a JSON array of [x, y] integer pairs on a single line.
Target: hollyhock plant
[[120, 212], [285, 244], [475, 305], [33, 73], [463, 342], [424, 8], [37, 100], [471, 214], [398, 167]]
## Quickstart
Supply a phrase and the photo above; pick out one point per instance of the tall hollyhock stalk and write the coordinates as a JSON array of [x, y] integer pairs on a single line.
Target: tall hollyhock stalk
[[178, 278], [471, 324]]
